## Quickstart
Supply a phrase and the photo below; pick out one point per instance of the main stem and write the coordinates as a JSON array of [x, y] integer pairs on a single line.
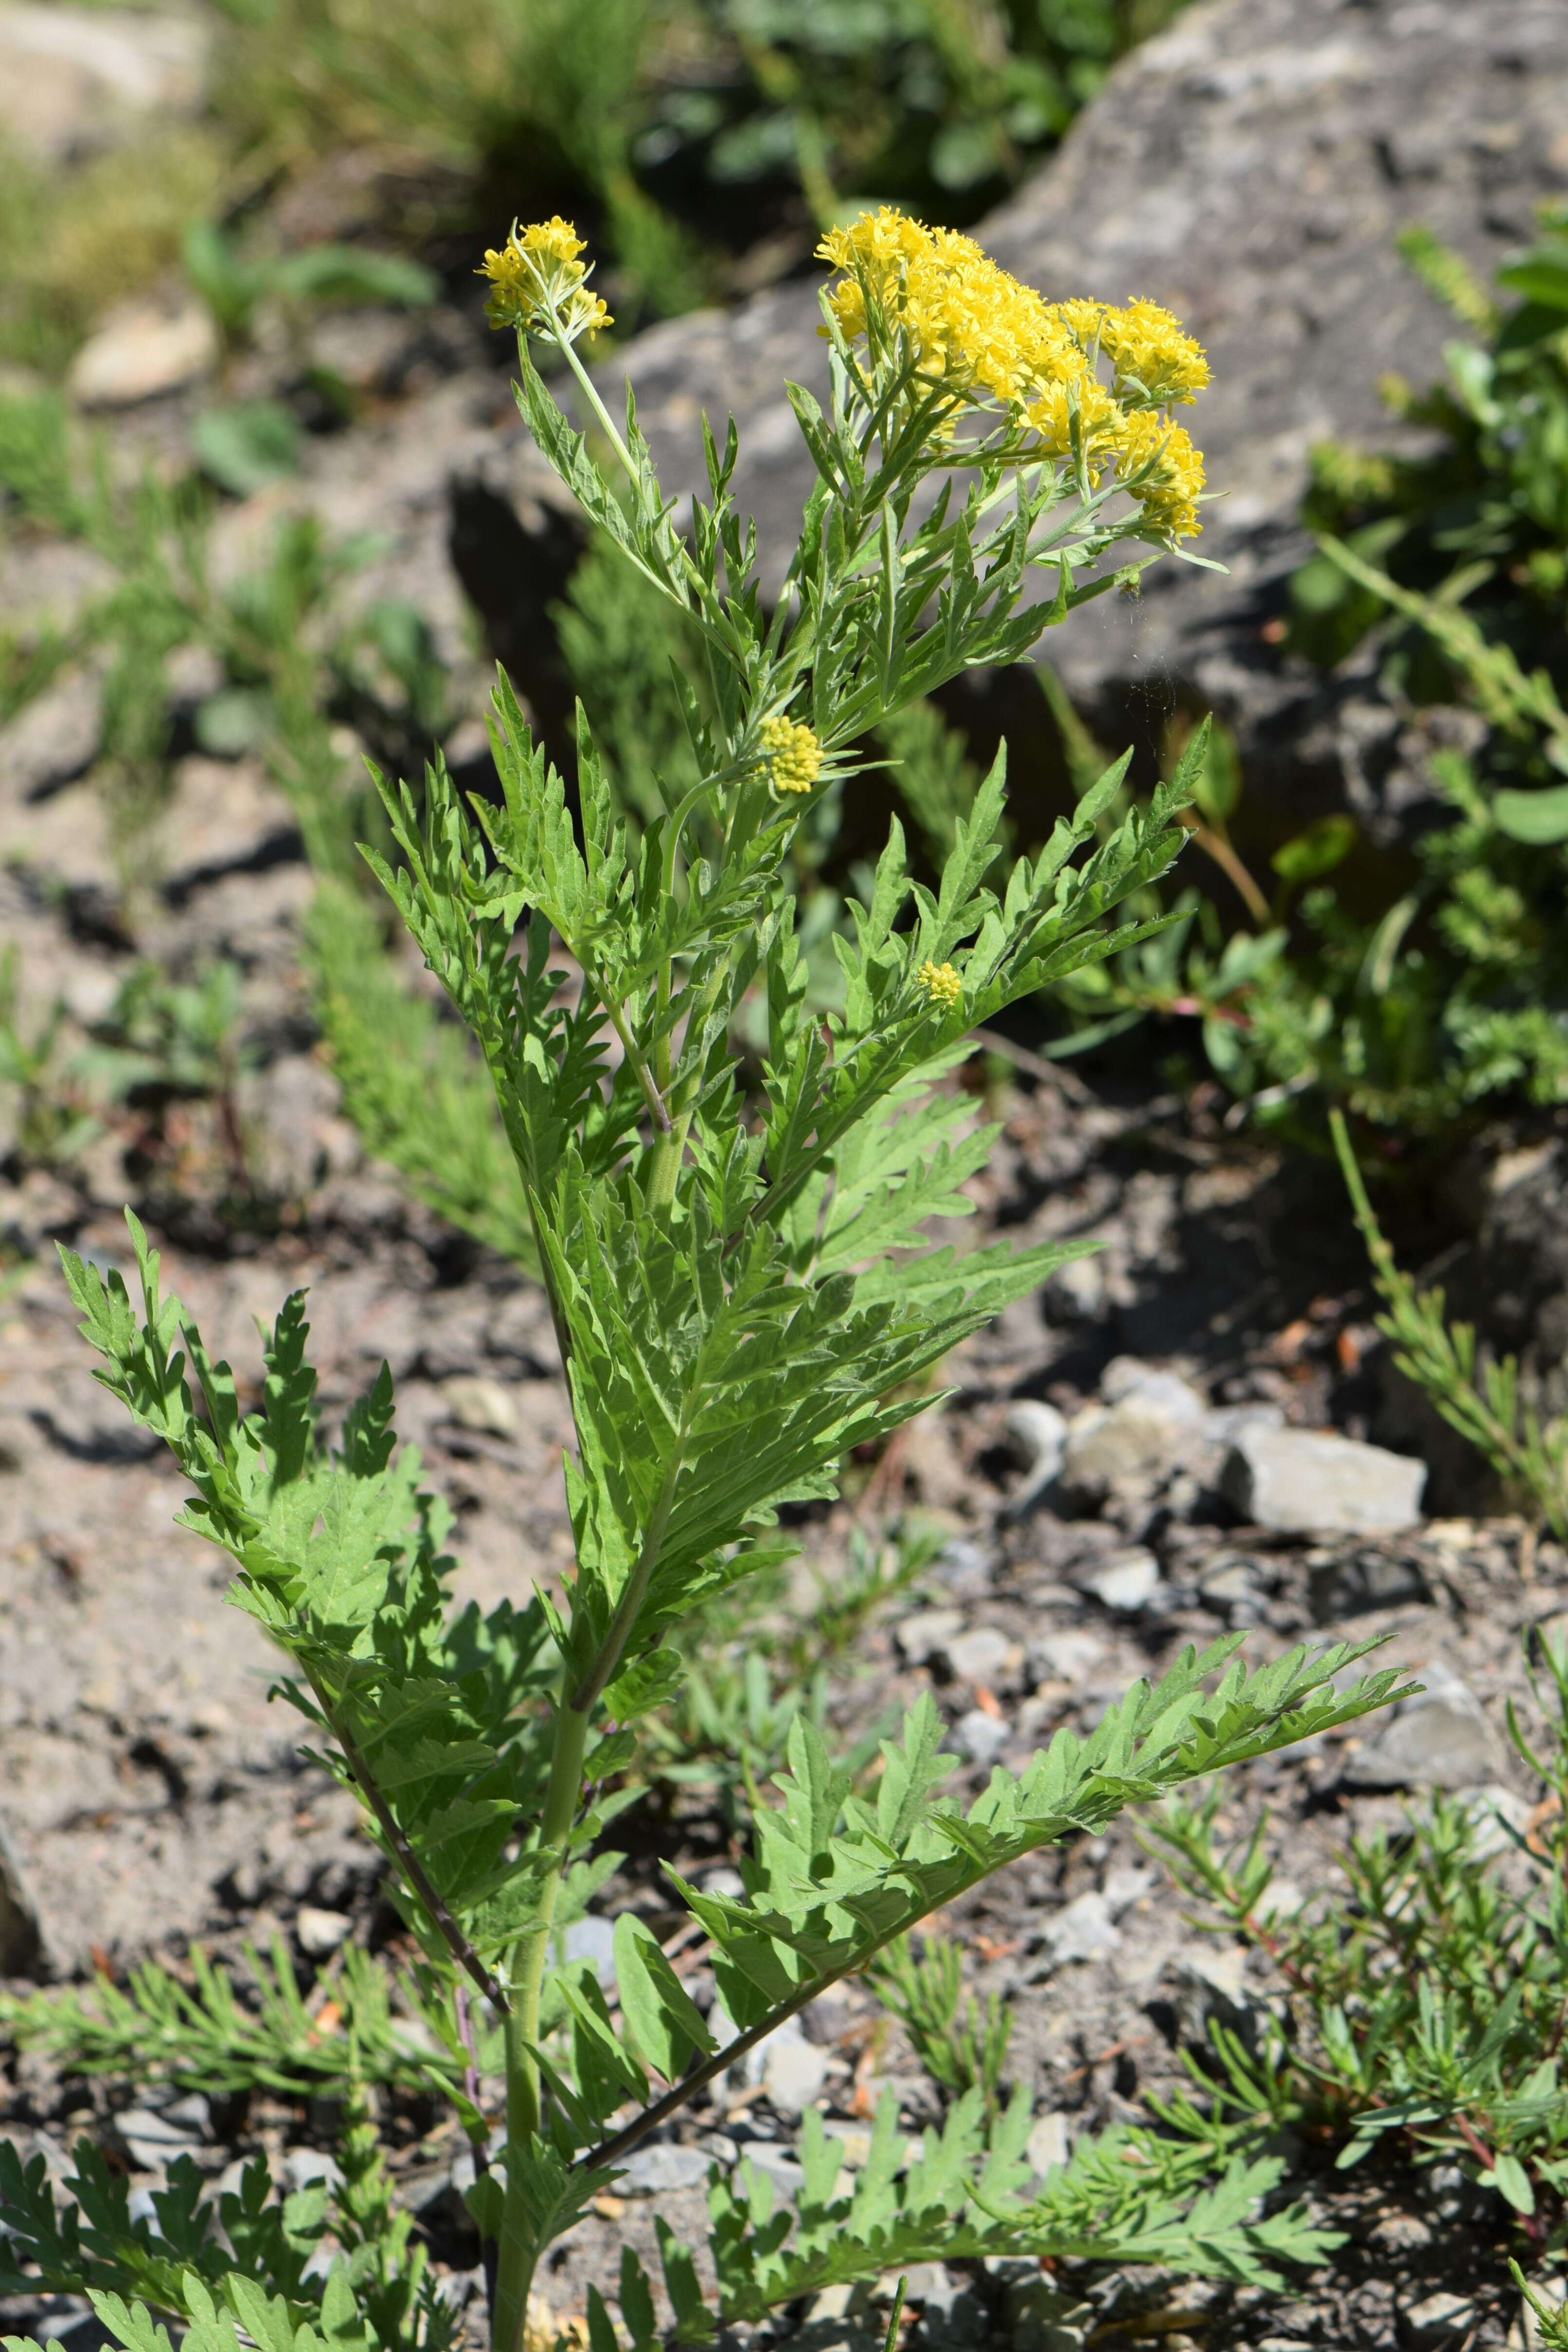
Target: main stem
[[519, 2249]]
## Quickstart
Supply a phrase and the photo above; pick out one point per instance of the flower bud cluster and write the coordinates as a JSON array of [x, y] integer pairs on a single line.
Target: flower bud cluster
[[541, 285], [933, 299]]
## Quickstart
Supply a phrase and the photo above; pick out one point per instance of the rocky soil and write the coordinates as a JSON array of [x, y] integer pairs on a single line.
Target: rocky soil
[[1129, 1461], [1184, 1434]]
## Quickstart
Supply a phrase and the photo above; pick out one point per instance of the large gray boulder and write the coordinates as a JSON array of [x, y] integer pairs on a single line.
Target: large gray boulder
[[1251, 169]]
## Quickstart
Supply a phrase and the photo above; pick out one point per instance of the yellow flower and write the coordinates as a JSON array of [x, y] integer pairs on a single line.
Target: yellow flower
[[1154, 358], [1168, 493], [973, 329], [793, 755], [941, 984], [539, 283], [1101, 422]]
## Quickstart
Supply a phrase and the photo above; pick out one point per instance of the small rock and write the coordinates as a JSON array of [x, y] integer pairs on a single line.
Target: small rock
[[1065, 1657], [662, 2168], [925, 1632], [1230, 1585], [1211, 1984], [840, 2302], [1436, 1739], [1037, 1432], [1128, 1886], [1494, 1812], [305, 2168], [1129, 1376], [320, 1932], [793, 2071], [1439, 2319], [982, 1656], [71, 79], [1081, 1930], [965, 1567], [53, 739], [593, 1937], [483, 1405], [21, 1936], [141, 352], [1224, 1423], [1344, 1586], [854, 2146], [1128, 1584], [783, 2169], [1127, 1444], [1039, 2318], [1047, 2145], [153, 2140], [979, 1737], [1311, 1481]]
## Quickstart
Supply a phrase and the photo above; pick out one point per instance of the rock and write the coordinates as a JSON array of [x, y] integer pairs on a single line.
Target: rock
[[1210, 1984], [308, 2167], [483, 1405], [294, 1135], [320, 1932], [1127, 1583], [1250, 167], [965, 1567], [795, 2070], [925, 1633], [1311, 1481], [141, 352], [655, 2170], [954, 2318], [1439, 2319], [1166, 1392], [1438, 1739], [52, 739], [1047, 2145], [21, 1935], [1500, 1821], [592, 1938], [1231, 1586], [72, 80], [153, 2140], [981, 1655], [87, 1423], [783, 2169], [1081, 1930], [1344, 1586], [1037, 1434], [1065, 1657], [1131, 1443], [1039, 2318], [1124, 1887], [981, 1736]]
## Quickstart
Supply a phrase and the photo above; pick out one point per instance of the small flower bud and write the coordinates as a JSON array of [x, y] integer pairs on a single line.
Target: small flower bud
[[793, 755], [942, 985]]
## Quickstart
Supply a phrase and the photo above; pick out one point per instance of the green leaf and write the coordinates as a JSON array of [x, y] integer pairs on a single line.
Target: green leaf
[[1539, 818], [663, 2021], [249, 444], [1316, 850]]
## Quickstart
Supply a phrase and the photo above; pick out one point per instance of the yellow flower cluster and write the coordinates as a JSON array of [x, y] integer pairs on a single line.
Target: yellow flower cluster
[[941, 984], [793, 754], [1168, 491], [539, 283], [973, 329]]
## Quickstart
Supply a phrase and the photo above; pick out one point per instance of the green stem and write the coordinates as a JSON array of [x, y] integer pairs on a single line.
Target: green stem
[[519, 2248]]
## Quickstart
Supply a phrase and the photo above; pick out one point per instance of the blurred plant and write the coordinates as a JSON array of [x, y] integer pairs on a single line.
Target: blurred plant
[[649, 116], [1419, 2012], [76, 238], [199, 2032], [962, 2047], [1480, 1400]]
